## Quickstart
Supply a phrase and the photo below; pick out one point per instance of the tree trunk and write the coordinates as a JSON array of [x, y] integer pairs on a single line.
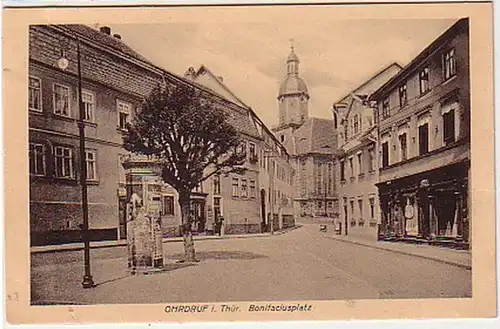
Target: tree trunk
[[189, 251]]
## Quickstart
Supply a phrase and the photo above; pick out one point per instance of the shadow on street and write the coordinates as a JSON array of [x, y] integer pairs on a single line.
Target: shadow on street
[[205, 255]]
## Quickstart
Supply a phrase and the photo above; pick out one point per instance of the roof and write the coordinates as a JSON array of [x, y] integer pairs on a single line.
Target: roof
[[293, 84], [292, 57], [316, 135], [372, 79], [458, 27], [218, 86], [105, 39]]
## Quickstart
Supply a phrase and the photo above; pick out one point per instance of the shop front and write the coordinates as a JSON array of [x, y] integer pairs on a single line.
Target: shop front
[[429, 207]]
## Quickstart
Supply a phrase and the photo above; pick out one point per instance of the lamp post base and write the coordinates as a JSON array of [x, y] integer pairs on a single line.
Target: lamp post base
[[88, 282]]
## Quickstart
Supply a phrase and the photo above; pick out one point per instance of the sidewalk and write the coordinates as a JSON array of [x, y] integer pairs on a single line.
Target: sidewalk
[[460, 258], [117, 243]]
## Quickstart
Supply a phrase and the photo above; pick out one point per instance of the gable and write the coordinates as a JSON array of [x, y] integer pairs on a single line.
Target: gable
[[209, 80]]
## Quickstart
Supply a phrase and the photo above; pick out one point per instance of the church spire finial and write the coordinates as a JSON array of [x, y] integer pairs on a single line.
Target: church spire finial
[[291, 45]]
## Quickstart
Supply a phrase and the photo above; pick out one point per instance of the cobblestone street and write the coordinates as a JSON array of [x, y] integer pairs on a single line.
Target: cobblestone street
[[303, 264]]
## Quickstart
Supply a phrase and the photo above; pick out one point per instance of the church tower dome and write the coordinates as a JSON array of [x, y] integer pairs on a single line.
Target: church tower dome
[[293, 95]]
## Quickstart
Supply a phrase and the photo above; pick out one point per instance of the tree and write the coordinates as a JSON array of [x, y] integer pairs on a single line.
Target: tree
[[189, 136]]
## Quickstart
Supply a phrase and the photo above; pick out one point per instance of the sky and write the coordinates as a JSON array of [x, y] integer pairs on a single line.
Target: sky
[[335, 55]]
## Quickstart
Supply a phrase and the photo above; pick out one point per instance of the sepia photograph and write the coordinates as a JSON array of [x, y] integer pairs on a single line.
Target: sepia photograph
[[254, 166]]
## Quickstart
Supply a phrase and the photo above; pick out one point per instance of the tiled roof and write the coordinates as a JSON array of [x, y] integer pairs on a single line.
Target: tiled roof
[[105, 39], [240, 119], [316, 135]]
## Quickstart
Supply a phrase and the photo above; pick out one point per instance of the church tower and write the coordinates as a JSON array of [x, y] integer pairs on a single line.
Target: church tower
[[293, 96]]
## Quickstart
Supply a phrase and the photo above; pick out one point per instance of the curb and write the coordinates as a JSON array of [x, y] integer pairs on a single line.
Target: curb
[[439, 260], [122, 243]]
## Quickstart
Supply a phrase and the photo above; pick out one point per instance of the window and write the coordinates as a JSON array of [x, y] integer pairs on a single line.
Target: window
[[244, 188], [450, 128], [90, 159], [123, 114], [216, 181], [35, 94], [449, 64], [356, 124], [371, 162], [217, 207], [63, 162], [424, 80], [252, 189], [352, 208], [360, 206], [37, 159], [403, 98], [385, 108], [282, 138], [88, 106], [330, 178], [253, 153], [423, 139], [168, 205], [351, 167], [385, 154], [235, 187], [61, 100], [199, 188], [403, 147], [360, 163], [372, 208]]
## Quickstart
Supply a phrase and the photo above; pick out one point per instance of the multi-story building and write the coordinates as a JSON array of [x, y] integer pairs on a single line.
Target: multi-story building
[[311, 143], [357, 155], [115, 79], [423, 118], [268, 163]]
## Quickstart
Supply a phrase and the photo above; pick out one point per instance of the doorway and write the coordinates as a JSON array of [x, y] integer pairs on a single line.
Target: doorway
[[263, 209]]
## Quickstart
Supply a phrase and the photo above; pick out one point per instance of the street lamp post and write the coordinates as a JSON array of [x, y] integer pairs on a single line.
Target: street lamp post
[[87, 282]]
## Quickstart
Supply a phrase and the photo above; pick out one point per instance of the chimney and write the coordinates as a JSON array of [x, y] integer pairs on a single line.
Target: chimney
[[221, 79], [117, 36], [105, 30], [190, 73]]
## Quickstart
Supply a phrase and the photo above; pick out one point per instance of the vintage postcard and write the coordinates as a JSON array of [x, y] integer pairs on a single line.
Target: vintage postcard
[[249, 163]]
